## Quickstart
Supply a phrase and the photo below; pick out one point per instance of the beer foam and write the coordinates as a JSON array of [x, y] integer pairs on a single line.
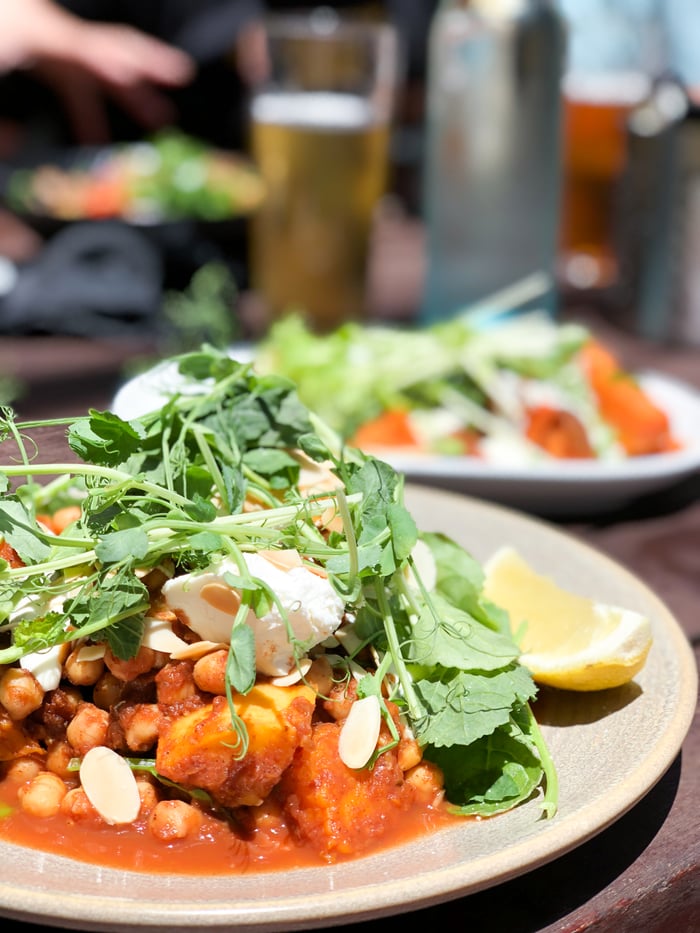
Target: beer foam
[[320, 110], [622, 88]]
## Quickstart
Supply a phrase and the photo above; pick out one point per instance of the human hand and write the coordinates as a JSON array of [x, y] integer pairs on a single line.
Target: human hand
[[84, 61]]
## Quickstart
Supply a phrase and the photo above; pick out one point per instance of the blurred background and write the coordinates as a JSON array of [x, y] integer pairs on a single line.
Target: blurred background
[[593, 130]]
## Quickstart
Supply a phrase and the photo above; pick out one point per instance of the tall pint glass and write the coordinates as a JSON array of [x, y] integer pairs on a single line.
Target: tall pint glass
[[596, 109], [320, 129], [615, 51]]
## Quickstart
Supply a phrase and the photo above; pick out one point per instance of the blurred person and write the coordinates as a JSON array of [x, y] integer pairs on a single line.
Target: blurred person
[[83, 62]]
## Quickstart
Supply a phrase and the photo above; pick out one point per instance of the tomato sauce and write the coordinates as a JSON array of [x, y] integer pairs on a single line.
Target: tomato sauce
[[218, 849]]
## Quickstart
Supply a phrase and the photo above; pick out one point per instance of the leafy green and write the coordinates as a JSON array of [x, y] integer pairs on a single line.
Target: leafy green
[[453, 376], [178, 485]]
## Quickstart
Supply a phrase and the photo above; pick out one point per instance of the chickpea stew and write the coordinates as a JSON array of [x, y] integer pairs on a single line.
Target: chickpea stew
[[226, 646]]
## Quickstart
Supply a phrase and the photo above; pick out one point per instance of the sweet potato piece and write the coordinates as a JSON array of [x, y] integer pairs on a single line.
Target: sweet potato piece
[[560, 433], [641, 425], [340, 811], [391, 428], [199, 748]]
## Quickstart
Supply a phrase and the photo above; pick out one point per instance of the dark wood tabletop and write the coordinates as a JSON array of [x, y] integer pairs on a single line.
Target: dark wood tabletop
[[641, 874]]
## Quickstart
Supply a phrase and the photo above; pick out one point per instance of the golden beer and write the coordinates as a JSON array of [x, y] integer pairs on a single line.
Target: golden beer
[[595, 115], [323, 158]]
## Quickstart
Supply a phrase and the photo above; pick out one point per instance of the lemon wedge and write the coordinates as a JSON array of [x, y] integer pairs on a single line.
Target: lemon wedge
[[567, 640]]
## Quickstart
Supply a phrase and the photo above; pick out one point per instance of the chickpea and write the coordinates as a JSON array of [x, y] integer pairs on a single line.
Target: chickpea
[[107, 691], [409, 753], [58, 758], [148, 794], [144, 661], [82, 673], [140, 726], [22, 769], [88, 728], [209, 672], [175, 683], [43, 795], [173, 819], [20, 693], [77, 806], [427, 780]]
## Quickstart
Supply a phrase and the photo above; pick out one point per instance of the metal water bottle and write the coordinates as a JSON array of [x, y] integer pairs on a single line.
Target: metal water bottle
[[492, 171]]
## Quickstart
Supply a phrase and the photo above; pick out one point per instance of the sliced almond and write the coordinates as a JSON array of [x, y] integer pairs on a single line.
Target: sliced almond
[[295, 675], [158, 634], [360, 732], [196, 650], [347, 636], [110, 785], [315, 477], [91, 652], [221, 597], [284, 559]]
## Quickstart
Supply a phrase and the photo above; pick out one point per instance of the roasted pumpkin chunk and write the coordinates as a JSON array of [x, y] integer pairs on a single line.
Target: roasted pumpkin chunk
[[342, 811], [201, 749]]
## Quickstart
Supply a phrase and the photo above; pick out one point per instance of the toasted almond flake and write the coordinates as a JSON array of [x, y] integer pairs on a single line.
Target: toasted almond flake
[[294, 676], [158, 634], [347, 637], [283, 559], [221, 597], [196, 650], [357, 671], [91, 652], [314, 476], [110, 785], [358, 737]]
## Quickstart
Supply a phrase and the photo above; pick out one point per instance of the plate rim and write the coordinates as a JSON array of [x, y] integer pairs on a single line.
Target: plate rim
[[433, 886]]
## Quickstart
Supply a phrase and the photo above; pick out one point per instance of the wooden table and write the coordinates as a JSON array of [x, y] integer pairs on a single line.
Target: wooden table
[[642, 874]]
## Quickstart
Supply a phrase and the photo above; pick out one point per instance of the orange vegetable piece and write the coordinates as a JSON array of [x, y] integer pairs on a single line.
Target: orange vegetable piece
[[642, 427], [390, 429], [8, 553], [60, 519], [560, 433], [106, 197]]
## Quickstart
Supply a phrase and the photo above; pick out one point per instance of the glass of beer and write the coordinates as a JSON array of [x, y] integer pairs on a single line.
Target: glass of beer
[[596, 109], [320, 132], [614, 53]]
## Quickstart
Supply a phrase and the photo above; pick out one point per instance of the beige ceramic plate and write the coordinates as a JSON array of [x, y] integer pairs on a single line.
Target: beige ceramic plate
[[610, 749]]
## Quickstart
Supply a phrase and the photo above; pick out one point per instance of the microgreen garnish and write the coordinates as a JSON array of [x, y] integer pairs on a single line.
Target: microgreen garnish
[[214, 474]]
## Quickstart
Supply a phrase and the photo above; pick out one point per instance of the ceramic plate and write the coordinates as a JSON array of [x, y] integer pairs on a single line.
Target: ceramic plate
[[562, 487], [610, 748]]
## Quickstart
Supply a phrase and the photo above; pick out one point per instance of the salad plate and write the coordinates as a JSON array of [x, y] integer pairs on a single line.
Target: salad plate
[[610, 748], [547, 488]]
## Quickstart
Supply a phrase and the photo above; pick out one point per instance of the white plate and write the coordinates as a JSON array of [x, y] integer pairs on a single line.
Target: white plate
[[562, 487], [610, 748]]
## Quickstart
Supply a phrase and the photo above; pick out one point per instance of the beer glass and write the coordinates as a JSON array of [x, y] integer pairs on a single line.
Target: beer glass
[[320, 130], [615, 52]]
